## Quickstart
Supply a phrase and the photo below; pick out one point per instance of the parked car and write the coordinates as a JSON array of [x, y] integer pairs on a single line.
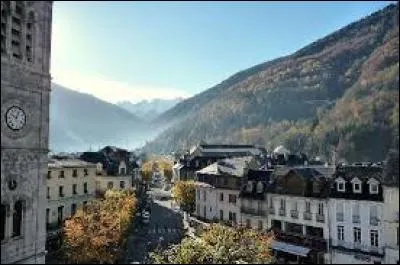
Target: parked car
[[145, 217]]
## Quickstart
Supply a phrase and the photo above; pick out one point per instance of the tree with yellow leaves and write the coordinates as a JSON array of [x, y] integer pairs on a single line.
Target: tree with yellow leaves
[[97, 233], [219, 245], [184, 193]]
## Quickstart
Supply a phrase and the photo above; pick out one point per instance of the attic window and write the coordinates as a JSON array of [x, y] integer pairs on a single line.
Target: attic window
[[373, 188], [340, 186], [260, 187], [356, 185]]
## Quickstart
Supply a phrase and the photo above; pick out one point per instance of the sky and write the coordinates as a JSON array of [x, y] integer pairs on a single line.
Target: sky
[[132, 51]]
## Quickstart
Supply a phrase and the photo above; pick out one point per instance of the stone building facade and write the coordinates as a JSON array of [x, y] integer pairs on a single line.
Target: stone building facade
[[25, 93]]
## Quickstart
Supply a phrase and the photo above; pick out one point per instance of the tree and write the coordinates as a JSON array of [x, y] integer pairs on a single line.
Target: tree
[[97, 233], [184, 193], [219, 245]]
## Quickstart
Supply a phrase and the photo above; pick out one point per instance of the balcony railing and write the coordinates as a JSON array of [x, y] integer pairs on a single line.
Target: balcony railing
[[357, 245], [356, 219], [294, 214], [320, 218], [339, 217], [307, 216], [282, 212], [271, 210], [316, 243], [374, 221], [252, 211]]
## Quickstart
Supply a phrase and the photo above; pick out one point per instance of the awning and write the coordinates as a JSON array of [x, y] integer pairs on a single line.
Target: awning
[[289, 248]]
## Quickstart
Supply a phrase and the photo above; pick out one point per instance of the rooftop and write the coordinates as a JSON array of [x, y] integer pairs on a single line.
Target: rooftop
[[68, 163]]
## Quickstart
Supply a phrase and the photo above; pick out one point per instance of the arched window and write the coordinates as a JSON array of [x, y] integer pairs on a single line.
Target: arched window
[[17, 218], [3, 221], [29, 37]]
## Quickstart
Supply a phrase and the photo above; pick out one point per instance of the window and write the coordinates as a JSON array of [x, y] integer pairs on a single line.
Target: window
[[357, 187], [221, 196], [374, 238], [221, 215], [230, 216], [271, 202], [205, 211], [85, 188], [341, 186], [321, 208], [60, 215], [248, 223], [61, 191], [74, 173], [48, 174], [260, 187], [283, 204], [84, 204], [225, 181], [61, 175], [373, 211], [47, 216], [357, 234], [3, 221], [204, 195], [73, 188], [232, 198], [122, 184], [340, 232], [73, 209], [123, 170], [294, 205], [17, 218], [110, 185], [373, 188], [234, 217], [308, 207], [85, 172], [260, 225], [48, 193]]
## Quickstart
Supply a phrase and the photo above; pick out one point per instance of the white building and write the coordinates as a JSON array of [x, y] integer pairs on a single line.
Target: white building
[[217, 195], [356, 210], [25, 94], [70, 184]]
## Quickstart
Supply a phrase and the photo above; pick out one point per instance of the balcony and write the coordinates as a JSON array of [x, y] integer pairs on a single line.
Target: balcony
[[307, 216], [339, 217], [356, 219], [374, 221], [294, 214], [252, 211], [357, 245], [282, 212], [320, 218], [316, 243], [271, 210]]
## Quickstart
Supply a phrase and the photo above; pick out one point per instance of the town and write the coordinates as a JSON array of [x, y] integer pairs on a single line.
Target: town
[[227, 201]]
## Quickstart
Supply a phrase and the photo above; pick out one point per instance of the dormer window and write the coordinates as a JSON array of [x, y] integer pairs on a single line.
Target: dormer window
[[356, 185], [249, 187], [340, 185], [373, 186], [260, 187]]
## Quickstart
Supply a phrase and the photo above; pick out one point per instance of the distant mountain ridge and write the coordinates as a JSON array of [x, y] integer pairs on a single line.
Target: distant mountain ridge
[[337, 95], [149, 109], [79, 121]]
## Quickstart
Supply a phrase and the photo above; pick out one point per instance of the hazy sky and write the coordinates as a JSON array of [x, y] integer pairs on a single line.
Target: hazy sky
[[143, 50]]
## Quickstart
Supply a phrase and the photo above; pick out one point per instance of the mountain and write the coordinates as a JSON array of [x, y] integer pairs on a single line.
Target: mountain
[[337, 95], [149, 109], [79, 121]]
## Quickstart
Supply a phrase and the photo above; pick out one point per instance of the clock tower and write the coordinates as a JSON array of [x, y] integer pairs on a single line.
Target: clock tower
[[25, 95]]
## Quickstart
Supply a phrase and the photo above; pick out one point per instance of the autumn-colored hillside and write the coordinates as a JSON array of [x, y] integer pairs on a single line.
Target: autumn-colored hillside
[[338, 93]]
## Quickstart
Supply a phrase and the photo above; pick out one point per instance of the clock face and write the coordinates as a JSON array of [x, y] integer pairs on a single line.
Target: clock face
[[15, 118]]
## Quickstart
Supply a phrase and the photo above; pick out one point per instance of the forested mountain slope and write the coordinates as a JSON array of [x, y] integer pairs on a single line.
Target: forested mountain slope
[[338, 93]]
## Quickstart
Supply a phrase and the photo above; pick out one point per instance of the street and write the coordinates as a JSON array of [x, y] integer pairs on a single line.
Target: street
[[165, 227]]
